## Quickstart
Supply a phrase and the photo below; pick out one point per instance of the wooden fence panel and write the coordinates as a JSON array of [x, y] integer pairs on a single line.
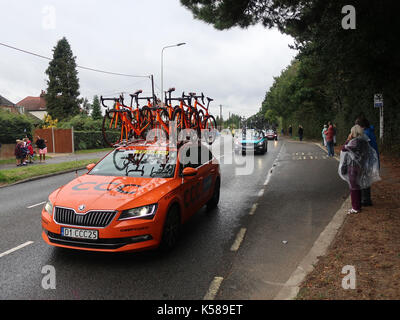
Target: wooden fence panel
[[63, 139]]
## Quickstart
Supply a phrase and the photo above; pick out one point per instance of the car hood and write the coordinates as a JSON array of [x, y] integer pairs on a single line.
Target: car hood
[[250, 140], [110, 193]]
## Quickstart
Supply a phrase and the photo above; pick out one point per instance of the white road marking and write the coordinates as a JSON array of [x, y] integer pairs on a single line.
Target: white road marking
[[213, 289], [253, 209], [267, 179], [15, 249], [238, 240], [261, 192], [37, 204]]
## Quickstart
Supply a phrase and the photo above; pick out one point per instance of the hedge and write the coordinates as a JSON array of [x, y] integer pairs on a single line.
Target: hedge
[[13, 127], [90, 140]]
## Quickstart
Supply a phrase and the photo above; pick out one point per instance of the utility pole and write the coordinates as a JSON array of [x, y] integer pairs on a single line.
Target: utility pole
[[220, 117]]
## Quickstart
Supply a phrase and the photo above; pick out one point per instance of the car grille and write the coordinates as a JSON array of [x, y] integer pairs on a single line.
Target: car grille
[[96, 219]]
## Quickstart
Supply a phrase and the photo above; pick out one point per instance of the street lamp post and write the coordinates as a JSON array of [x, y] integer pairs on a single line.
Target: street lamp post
[[162, 66]]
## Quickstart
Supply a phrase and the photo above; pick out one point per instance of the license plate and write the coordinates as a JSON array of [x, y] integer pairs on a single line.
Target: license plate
[[80, 233]]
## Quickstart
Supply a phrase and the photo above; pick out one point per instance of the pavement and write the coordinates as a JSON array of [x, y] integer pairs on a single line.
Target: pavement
[[59, 158], [266, 223]]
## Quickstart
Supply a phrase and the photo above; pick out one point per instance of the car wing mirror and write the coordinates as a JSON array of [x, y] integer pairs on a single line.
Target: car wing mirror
[[189, 172], [90, 166]]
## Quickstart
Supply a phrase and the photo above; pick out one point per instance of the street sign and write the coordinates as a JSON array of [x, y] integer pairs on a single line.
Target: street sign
[[378, 100]]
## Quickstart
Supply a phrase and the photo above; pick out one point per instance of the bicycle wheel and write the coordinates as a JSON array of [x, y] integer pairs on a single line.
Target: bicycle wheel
[[209, 133], [194, 120], [201, 118], [145, 121], [179, 118], [112, 127]]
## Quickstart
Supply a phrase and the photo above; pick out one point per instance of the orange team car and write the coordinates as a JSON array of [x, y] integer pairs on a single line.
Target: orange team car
[[136, 197]]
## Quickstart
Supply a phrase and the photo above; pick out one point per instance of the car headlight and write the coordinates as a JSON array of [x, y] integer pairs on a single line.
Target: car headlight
[[260, 143], [145, 212], [48, 207]]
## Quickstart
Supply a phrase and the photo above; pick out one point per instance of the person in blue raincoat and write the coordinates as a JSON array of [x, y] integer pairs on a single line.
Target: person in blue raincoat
[[369, 132]]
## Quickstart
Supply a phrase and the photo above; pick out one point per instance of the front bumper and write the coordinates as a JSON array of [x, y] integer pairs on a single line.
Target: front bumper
[[249, 147], [118, 236]]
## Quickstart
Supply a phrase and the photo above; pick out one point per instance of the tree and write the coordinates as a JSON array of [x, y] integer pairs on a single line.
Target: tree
[[86, 107], [63, 84], [96, 109], [339, 69]]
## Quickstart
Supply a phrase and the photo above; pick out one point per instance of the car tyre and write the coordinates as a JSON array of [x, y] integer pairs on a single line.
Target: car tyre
[[213, 202], [171, 230]]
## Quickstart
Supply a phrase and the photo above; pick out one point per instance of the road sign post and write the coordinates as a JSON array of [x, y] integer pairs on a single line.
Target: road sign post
[[378, 103]]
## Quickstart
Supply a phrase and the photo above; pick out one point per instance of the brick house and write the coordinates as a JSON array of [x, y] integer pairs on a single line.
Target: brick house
[[36, 106], [6, 104]]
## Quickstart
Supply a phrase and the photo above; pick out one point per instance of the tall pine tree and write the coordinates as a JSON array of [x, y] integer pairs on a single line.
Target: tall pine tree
[[63, 85], [96, 109]]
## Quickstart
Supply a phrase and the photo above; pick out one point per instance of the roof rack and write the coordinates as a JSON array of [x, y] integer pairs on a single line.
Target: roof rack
[[144, 142]]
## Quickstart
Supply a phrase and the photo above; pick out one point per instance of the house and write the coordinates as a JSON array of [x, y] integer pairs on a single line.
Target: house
[[35, 106], [6, 104]]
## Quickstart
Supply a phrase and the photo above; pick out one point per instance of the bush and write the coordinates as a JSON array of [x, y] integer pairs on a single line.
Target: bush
[[90, 140], [82, 123], [13, 126]]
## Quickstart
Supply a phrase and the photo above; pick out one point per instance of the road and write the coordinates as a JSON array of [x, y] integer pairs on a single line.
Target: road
[[289, 194]]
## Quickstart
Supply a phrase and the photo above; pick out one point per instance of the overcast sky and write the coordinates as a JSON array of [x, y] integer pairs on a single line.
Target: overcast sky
[[235, 67]]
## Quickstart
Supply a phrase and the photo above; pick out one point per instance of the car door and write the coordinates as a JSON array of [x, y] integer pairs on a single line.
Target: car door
[[206, 174], [191, 186]]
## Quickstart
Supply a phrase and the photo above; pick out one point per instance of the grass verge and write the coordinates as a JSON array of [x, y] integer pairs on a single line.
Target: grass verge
[[369, 242], [22, 173], [93, 150]]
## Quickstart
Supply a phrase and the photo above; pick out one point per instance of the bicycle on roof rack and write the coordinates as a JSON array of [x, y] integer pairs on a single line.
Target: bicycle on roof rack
[[123, 124], [207, 121]]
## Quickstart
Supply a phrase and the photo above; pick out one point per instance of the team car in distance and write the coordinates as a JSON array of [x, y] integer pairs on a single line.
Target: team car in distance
[[135, 198], [250, 140], [271, 135]]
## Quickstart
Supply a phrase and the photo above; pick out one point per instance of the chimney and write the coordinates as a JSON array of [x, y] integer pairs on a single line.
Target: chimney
[[42, 93]]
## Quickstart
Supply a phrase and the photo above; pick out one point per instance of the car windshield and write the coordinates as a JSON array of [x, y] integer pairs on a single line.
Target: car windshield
[[252, 135], [146, 163]]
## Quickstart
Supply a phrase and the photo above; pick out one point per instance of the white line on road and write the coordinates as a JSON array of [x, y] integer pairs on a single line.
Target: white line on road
[[214, 287], [253, 209], [35, 205], [238, 240], [15, 249], [261, 192]]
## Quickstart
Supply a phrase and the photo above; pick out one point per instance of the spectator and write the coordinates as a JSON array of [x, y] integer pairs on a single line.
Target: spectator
[[323, 135], [334, 134], [300, 132], [30, 150], [290, 130], [358, 165], [19, 155], [329, 139], [369, 132], [41, 144]]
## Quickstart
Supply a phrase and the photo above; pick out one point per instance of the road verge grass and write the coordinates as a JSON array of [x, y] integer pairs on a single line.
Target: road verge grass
[[21, 173]]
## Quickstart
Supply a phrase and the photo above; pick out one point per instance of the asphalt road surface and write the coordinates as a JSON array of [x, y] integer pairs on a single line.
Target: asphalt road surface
[[270, 213]]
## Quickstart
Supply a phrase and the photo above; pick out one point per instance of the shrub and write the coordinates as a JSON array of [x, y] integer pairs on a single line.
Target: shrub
[[90, 140], [13, 126]]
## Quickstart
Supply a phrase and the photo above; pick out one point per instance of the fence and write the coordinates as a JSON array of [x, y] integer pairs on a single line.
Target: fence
[[57, 140]]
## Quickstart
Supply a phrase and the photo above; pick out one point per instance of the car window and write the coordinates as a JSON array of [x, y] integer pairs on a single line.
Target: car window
[[189, 156], [147, 163], [205, 155]]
